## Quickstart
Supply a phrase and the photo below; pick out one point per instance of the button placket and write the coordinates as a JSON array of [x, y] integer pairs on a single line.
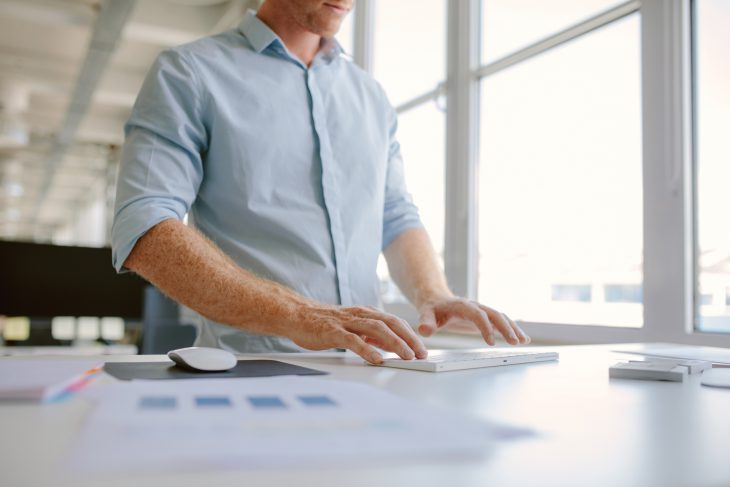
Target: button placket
[[330, 189]]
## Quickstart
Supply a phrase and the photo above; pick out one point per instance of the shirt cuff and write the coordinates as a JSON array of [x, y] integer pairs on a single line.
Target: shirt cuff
[[133, 221], [394, 229]]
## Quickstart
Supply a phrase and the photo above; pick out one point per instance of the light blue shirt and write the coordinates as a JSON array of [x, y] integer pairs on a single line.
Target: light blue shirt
[[294, 172]]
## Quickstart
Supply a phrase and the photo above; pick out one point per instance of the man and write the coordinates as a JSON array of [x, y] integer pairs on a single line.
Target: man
[[283, 153]]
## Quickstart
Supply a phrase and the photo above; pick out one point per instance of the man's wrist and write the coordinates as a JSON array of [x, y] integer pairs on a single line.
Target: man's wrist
[[282, 310], [430, 297]]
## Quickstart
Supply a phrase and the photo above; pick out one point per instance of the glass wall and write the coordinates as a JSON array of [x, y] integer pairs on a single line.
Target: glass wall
[[712, 119], [509, 25], [560, 185], [408, 66]]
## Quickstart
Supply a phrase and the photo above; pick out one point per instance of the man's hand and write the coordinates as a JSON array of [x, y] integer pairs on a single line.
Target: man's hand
[[466, 315], [414, 267], [319, 327]]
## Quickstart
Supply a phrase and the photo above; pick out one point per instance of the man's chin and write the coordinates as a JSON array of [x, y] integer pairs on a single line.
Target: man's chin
[[329, 31]]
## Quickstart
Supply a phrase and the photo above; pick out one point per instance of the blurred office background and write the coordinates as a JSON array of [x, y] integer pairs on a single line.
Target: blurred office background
[[570, 158]]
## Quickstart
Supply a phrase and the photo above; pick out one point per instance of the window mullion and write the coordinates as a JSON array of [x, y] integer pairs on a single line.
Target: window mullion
[[462, 119], [363, 34], [667, 169]]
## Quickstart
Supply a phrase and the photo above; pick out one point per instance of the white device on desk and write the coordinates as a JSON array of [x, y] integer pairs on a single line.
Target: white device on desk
[[675, 370], [446, 360], [648, 371], [203, 359]]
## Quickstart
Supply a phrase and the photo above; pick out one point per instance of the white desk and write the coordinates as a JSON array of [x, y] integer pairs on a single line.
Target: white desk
[[592, 431]]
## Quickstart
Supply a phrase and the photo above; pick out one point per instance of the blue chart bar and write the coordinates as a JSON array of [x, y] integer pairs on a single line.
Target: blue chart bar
[[266, 402], [212, 401], [317, 401], [157, 402]]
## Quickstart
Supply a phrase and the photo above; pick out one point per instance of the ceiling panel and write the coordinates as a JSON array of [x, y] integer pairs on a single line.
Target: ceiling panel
[[43, 44], [65, 42]]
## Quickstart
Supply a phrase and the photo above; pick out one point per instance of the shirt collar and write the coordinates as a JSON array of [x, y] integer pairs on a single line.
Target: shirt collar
[[261, 36], [330, 49], [258, 34]]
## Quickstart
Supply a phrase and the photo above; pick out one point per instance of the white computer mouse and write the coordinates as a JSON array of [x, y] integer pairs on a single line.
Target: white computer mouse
[[717, 377], [203, 359]]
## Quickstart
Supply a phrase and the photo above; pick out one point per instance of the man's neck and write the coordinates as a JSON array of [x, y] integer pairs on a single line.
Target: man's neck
[[299, 41]]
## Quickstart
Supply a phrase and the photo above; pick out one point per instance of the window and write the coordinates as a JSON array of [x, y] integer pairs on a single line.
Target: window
[[409, 66], [623, 293], [581, 183], [509, 25], [421, 135], [561, 181], [712, 118], [409, 47], [580, 293]]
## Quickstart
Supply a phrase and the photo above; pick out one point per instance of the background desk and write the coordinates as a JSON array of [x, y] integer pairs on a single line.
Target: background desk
[[592, 431]]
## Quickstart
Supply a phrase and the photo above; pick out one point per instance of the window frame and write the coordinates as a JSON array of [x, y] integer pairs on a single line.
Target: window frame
[[668, 163], [694, 83]]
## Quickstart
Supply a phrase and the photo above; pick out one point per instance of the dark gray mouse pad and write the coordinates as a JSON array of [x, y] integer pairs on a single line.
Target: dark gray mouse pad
[[166, 370]]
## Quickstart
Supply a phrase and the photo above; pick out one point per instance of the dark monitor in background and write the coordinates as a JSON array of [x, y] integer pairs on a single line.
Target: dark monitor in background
[[44, 285], [44, 281]]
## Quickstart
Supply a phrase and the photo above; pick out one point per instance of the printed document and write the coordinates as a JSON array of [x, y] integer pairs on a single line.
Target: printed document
[[267, 423]]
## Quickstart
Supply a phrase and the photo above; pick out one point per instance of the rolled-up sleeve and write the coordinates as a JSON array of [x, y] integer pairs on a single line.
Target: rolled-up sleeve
[[161, 164], [400, 213]]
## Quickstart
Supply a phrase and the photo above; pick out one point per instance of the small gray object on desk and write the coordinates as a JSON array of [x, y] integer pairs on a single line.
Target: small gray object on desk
[[167, 370], [668, 371]]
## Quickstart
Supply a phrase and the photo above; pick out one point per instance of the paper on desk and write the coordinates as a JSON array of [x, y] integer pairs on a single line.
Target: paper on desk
[[42, 380], [715, 355], [264, 423]]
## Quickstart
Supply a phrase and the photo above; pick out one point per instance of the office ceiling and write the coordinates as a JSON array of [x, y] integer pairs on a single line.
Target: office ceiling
[[69, 74]]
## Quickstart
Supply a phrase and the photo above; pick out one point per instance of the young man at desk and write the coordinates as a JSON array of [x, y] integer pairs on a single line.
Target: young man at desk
[[284, 155]]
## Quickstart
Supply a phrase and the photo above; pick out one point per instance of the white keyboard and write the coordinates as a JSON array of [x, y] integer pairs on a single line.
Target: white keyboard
[[445, 360]]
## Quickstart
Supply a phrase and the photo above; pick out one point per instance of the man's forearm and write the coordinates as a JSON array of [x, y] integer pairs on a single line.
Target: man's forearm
[[193, 271], [414, 267]]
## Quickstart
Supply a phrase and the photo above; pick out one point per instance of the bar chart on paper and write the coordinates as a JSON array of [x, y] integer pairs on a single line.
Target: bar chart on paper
[[256, 413], [157, 402], [266, 422]]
